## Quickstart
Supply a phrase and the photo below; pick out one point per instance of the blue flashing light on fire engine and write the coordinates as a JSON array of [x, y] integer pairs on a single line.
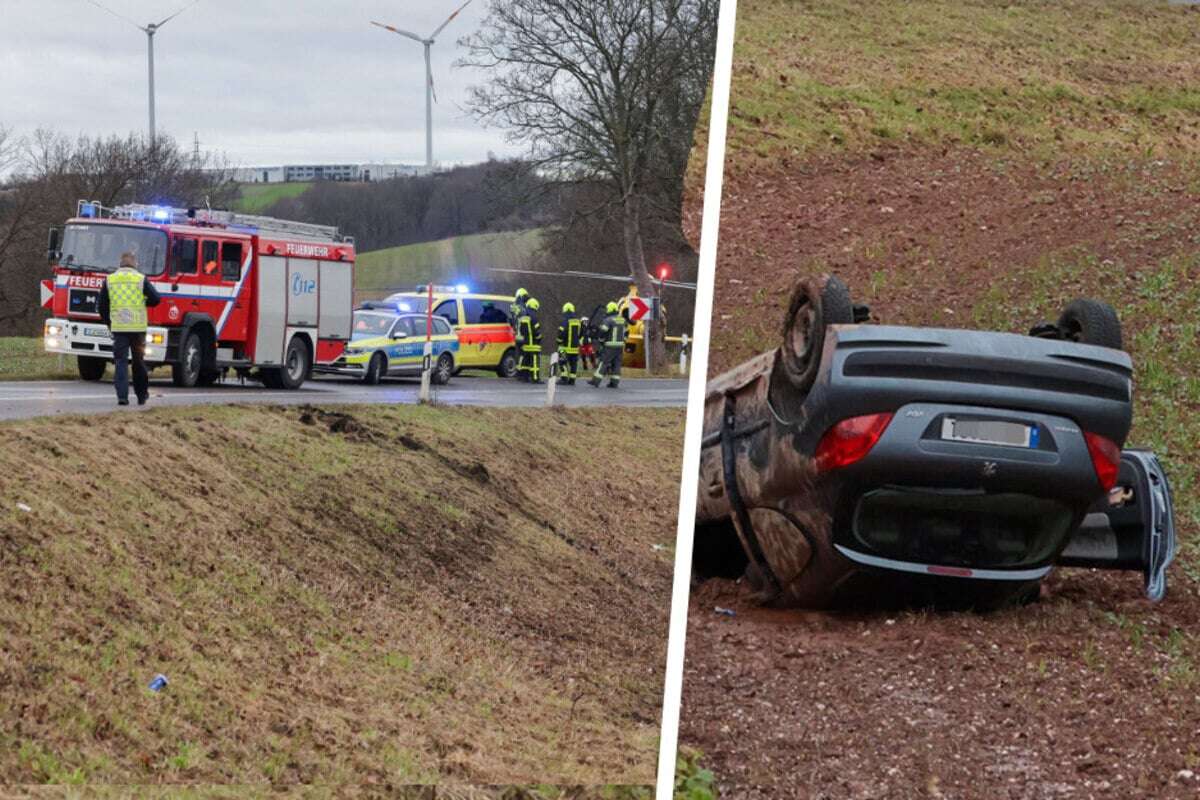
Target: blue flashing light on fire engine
[[161, 214], [88, 210]]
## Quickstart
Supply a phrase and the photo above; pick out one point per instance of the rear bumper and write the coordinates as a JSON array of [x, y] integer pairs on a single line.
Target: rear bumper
[[92, 339], [921, 503]]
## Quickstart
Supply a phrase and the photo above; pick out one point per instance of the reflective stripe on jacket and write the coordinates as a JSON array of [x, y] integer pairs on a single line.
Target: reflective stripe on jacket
[[612, 330], [529, 332], [569, 334], [126, 301]]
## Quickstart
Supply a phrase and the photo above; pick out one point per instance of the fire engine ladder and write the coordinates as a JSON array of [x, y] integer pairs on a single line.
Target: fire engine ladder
[[228, 219]]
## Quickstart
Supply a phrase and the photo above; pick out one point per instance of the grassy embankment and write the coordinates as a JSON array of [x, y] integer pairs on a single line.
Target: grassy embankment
[[381, 596]]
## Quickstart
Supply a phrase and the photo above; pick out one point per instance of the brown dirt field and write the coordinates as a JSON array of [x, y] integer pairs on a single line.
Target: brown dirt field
[[367, 597], [1090, 692], [921, 236]]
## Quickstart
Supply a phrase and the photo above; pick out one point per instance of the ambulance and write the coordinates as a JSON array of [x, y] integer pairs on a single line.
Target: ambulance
[[481, 321]]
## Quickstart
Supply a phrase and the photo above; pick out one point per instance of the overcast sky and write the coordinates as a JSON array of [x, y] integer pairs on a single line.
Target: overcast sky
[[263, 81]]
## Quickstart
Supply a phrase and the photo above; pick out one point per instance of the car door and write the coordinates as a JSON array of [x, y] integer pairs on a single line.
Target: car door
[[1133, 528], [404, 350]]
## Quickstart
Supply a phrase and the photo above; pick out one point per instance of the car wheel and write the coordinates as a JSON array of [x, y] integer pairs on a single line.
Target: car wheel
[[442, 370], [508, 364], [91, 369], [295, 364], [1091, 322], [376, 369], [815, 304], [186, 372]]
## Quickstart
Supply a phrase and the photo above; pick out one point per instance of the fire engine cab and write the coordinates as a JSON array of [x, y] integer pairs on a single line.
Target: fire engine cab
[[239, 291]]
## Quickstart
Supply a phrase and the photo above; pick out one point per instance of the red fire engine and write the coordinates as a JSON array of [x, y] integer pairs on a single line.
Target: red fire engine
[[239, 291]]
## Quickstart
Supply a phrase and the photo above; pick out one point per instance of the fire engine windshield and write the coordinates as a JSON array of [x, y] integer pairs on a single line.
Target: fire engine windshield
[[369, 324], [99, 247]]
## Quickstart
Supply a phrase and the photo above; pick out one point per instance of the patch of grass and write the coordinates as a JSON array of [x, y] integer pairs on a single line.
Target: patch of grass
[[692, 781], [1048, 77], [23, 358], [254, 198]]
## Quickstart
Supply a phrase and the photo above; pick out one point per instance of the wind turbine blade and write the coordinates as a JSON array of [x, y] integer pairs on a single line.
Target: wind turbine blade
[[448, 20], [118, 16], [409, 34], [177, 13], [432, 88]]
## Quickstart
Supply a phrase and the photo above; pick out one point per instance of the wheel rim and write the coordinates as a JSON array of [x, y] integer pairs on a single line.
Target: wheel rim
[[800, 335], [445, 367], [191, 359], [295, 364]]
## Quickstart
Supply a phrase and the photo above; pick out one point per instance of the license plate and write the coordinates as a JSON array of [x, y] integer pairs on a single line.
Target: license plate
[[990, 431], [101, 333]]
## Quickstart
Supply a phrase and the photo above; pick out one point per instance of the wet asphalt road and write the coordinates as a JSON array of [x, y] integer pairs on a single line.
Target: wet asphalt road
[[23, 399]]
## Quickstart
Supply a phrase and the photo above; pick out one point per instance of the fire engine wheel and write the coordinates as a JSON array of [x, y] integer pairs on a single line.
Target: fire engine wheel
[[91, 369], [295, 364], [442, 370], [186, 372], [376, 369], [507, 367]]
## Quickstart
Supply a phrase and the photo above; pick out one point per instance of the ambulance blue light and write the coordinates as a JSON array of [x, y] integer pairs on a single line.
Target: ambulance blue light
[[403, 307], [462, 288]]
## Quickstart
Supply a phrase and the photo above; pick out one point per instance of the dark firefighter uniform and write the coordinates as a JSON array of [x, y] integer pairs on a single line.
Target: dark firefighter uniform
[[122, 305], [570, 335], [529, 334], [517, 308], [613, 331]]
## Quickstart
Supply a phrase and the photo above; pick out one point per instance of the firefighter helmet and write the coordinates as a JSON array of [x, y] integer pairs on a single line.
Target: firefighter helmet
[[611, 308], [568, 308], [533, 303], [521, 293]]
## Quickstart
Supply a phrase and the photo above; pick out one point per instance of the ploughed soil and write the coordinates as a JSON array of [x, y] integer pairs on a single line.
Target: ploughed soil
[[362, 598], [1089, 692], [922, 235]]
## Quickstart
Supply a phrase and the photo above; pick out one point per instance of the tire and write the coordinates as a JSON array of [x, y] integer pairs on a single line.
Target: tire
[[1091, 322], [442, 370], [208, 377], [186, 372], [815, 305], [91, 369], [507, 367], [376, 369], [270, 378], [296, 364]]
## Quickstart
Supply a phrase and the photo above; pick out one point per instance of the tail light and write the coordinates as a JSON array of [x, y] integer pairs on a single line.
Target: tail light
[[850, 440], [1106, 459]]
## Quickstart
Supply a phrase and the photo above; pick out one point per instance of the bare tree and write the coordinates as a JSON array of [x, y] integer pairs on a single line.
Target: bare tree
[[601, 92], [51, 172]]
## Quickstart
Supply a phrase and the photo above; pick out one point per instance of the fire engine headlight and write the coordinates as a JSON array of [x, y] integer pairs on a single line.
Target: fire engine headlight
[[154, 338], [51, 342], [53, 330]]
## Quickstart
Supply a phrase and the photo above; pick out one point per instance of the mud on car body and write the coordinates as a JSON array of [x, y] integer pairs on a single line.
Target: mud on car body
[[959, 463], [384, 343]]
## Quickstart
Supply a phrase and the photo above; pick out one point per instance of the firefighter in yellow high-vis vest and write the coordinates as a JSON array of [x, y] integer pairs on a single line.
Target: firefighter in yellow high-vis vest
[[124, 298], [529, 334], [570, 332]]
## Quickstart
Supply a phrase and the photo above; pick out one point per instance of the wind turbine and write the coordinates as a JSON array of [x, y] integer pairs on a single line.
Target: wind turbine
[[149, 29], [430, 94]]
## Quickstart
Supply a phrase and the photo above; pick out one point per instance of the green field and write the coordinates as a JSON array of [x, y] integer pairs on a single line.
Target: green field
[[458, 259], [22, 358], [1036, 76], [258, 197]]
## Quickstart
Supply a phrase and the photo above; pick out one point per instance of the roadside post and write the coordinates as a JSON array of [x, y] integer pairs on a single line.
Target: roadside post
[[427, 360], [683, 354], [552, 378]]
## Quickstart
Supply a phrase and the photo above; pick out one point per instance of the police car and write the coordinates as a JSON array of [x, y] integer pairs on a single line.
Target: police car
[[387, 343]]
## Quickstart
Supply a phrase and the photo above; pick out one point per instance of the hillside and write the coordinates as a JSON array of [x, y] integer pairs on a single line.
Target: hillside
[[372, 596], [461, 259], [256, 198]]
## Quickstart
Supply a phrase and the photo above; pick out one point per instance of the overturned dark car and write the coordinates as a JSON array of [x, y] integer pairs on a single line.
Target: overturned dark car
[[962, 465]]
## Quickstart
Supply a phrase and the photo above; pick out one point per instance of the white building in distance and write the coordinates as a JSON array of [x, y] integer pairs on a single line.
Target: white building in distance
[[289, 173]]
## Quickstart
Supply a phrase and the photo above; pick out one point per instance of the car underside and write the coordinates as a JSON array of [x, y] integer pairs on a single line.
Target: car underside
[[964, 465]]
